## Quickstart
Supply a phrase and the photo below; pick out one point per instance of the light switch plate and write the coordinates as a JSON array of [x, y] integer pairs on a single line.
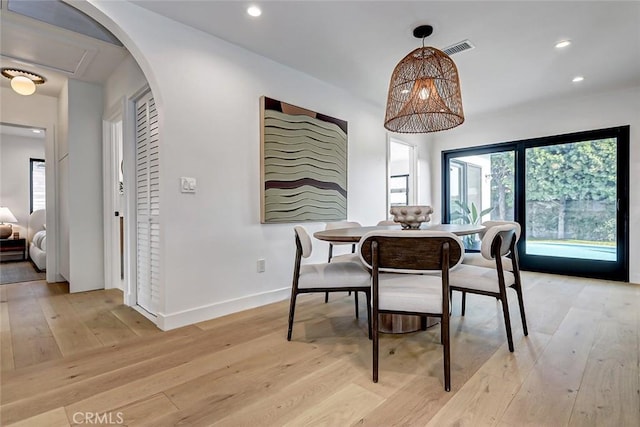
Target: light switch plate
[[187, 184]]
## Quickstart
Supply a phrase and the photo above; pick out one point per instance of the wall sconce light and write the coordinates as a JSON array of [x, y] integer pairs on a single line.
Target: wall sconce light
[[23, 82], [424, 93]]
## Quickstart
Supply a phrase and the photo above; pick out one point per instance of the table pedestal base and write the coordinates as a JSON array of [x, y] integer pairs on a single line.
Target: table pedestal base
[[400, 323]]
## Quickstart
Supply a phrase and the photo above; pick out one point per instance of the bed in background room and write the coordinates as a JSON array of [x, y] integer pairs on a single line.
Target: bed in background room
[[37, 235]]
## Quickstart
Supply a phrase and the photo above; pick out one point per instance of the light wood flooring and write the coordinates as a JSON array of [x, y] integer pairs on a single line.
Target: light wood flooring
[[74, 359]]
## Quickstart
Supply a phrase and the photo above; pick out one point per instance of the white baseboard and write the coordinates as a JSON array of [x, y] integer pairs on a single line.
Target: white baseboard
[[168, 321]]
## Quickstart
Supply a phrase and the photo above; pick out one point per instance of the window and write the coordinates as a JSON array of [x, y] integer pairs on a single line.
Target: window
[[399, 190], [471, 193], [37, 184], [402, 179], [568, 192]]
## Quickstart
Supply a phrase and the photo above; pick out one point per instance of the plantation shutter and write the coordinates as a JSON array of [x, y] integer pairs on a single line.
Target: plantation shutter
[[147, 204]]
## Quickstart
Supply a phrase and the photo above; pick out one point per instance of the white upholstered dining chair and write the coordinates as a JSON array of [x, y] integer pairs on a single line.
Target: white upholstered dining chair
[[342, 224], [476, 258], [399, 260], [344, 276], [344, 257], [494, 281]]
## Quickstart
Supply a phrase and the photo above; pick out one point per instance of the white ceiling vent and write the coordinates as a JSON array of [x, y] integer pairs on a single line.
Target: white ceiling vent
[[458, 47]]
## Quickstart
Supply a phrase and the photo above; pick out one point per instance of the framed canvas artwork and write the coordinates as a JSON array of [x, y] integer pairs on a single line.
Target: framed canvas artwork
[[303, 164]]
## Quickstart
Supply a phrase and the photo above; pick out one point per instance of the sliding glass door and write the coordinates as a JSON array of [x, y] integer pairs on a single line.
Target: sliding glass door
[[480, 189], [569, 193]]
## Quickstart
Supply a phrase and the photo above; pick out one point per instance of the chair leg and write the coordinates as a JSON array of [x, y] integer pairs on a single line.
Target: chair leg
[[356, 304], [326, 294], [464, 302], [353, 251], [507, 321], [292, 309], [375, 348], [446, 350], [518, 290], [368, 295]]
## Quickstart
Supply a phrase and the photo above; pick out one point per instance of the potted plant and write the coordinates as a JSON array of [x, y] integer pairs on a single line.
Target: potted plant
[[469, 215]]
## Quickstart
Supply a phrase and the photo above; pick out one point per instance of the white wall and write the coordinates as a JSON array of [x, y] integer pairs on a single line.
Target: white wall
[[209, 130], [15, 153], [125, 81], [571, 114], [38, 111], [84, 171], [62, 183], [80, 185]]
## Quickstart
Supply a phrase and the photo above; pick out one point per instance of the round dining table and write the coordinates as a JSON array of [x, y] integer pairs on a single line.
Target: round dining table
[[354, 234], [396, 323]]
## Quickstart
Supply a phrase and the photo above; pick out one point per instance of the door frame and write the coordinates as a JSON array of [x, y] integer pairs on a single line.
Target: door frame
[[577, 266], [110, 193], [559, 265], [124, 109]]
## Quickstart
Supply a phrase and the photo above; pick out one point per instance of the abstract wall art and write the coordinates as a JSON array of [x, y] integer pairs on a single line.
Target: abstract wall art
[[303, 164]]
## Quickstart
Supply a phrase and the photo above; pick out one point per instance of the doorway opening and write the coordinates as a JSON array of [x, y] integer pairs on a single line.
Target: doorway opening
[[23, 198], [401, 179]]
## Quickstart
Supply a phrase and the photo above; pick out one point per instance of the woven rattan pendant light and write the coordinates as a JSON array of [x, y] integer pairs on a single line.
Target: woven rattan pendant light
[[424, 93]]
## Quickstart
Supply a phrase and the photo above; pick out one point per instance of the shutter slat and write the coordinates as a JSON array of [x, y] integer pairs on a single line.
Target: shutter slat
[[147, 203]]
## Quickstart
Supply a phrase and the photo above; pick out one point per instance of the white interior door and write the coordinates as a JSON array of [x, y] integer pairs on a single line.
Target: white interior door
[[147, 181], [114, 204]]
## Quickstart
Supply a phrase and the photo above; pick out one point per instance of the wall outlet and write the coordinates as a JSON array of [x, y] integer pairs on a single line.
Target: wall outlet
[[261, 265]]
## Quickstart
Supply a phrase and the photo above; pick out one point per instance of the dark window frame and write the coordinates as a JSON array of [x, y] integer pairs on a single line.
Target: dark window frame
[[31, 163], [568, 266]]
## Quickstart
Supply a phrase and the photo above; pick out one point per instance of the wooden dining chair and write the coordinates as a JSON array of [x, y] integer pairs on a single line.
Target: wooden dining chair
[[341, 224], [345, 257], [476, 258], [399, 260], [494, 281], [344, 276]]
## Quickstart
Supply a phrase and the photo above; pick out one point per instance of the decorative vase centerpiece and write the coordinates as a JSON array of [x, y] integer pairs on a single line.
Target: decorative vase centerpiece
[[411, 217]]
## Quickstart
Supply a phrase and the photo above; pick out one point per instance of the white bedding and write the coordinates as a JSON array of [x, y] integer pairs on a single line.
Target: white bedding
[[40, 240]]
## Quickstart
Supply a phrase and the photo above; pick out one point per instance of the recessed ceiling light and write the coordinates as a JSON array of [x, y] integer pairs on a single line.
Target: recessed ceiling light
[[563, 43], [36, 131], [254, 11], [577, 79]]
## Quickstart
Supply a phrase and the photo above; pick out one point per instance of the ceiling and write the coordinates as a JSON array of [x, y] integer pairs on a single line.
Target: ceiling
[[356, 44], [23, 131], [53, 52]]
